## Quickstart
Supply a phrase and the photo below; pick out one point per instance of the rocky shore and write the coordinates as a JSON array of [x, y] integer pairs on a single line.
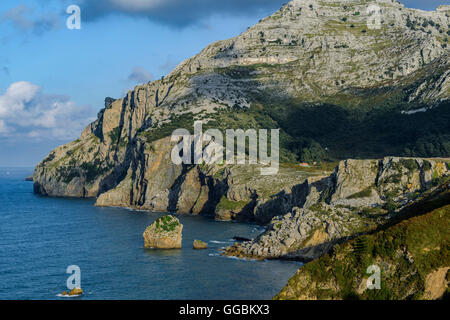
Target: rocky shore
[[358, 197]]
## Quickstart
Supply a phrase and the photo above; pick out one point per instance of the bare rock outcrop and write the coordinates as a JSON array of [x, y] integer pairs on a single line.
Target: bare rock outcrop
[[361, 195]]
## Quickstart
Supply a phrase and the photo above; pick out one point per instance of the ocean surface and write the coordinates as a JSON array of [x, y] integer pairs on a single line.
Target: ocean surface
[[40, 237]]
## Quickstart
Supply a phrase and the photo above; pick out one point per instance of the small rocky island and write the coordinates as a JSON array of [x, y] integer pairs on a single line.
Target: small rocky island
[[164, 233], [200, 245]]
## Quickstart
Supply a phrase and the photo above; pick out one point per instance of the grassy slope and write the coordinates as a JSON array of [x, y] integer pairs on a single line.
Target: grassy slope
[[406, 252]]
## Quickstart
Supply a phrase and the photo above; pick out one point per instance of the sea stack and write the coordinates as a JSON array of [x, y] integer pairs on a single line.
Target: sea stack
[[164, 233]]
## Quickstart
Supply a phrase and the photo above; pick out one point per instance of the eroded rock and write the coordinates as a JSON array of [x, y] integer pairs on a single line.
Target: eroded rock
[[164, 233]]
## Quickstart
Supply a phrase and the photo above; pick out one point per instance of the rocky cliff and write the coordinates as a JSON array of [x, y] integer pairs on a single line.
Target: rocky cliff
[[412, 258], [314, 69], [358, 197]]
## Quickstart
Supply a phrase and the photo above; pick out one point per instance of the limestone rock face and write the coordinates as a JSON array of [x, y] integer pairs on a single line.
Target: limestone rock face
[[164, 233], [352, 200], [303, 234], [309, 50]]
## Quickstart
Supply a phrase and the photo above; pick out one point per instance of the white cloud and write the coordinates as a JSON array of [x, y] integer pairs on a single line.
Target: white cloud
[[16, 96], [26, 111]]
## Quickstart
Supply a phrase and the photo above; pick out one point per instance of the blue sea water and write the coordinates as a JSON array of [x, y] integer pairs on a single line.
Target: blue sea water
[[40, 237]]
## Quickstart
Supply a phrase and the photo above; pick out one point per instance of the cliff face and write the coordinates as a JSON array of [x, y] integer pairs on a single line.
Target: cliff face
[[314, 70], [360, 196]]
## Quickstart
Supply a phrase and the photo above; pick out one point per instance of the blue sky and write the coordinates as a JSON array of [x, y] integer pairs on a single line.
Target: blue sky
[[53, 81]]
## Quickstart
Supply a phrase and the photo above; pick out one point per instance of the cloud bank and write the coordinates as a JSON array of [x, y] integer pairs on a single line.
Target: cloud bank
[[25, 111]]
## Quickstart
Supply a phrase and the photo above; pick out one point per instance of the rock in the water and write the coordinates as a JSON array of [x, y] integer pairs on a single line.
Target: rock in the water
[[198, 244], [29, 178], [164, 233], [75, 292]]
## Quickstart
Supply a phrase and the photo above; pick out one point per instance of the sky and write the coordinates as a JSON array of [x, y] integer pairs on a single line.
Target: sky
[[53, 80]]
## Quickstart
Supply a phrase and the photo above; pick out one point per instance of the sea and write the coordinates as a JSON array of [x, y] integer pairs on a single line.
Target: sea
[[41, 237]]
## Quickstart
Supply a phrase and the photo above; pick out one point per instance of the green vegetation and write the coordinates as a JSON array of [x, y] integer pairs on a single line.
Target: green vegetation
[[92, 170], [361, 249], [49, 158], [414, 247], [166, 223], [390, 205], [409, 164], [226, 204], [362, 123], [185, 121], [67, 174], [115, 134]]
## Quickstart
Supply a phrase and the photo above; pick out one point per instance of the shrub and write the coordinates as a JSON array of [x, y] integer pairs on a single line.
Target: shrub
[[115, 134], [390, 205], [166, 223], [409, 164]]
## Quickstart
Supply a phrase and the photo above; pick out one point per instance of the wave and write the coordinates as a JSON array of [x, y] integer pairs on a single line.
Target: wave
[[214, 254], [221, 242], [241, 259], [67, 296]]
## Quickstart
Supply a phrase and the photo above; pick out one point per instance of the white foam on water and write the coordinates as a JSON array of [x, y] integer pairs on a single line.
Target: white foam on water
[[67, 296], [241, 259], [214, 255]]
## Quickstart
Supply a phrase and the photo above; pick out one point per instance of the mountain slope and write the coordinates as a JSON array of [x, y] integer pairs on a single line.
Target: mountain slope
[[413, 256], [335, 88]]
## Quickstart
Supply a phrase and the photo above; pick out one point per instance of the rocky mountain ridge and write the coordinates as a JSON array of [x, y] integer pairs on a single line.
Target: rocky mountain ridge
[[295, 54], [336, 88]]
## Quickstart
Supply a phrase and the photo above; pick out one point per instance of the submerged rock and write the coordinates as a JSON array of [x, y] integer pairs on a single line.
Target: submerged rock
[[164, 233], [198, 245]]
